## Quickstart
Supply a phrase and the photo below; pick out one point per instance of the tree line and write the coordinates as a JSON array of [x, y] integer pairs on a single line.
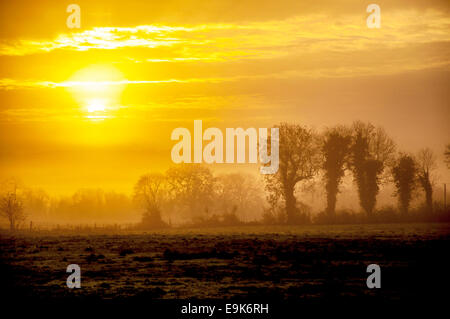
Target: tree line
[[192, 194], [361, 149], [364, 150]]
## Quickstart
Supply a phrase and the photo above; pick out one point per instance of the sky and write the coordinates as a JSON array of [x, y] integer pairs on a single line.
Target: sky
[[95, 106]]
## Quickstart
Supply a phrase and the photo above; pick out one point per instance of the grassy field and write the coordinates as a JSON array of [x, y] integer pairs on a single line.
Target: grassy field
[[305, 264]]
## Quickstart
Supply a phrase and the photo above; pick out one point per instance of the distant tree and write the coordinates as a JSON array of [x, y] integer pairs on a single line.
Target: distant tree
[[239, 194], [335, 150], [85, 205], [117, 205], [12, 203], [372, 151], [447, 155], [299, 159], [88, 202], [149, 192], [404, 173], [426, 161], [37, 202], [191, 187]]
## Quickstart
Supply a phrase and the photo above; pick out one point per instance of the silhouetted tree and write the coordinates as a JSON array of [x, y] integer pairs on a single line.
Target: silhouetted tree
[[426, 161], [11, 203], [88, 201], [191, 186], [86, 205], [238, 194], [298, 161], [150, 191], [335, 150], [372, 150], [36, 202], [404, 173]]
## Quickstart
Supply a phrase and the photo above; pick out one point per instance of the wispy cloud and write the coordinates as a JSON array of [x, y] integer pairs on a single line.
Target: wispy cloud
[[313, 33], [330, 72]]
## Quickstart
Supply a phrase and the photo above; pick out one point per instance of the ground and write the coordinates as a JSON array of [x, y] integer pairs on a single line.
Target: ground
[[302, 264]]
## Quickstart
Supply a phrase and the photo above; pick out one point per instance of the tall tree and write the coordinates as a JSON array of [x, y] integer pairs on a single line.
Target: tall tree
[[299, 159], [404, 173], [335, 150], [149, 192], [372, 151], [191, 187], [12, 202], [426, 161]]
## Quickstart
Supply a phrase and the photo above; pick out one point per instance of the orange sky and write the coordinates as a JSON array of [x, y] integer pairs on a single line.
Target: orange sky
[[94, 107]]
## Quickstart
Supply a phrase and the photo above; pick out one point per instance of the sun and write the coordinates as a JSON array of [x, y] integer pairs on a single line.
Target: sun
[[96, 105], [97, 88]]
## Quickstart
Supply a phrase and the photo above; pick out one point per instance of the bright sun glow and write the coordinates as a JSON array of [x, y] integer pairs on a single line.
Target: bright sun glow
[[93, 91], [96, 105]]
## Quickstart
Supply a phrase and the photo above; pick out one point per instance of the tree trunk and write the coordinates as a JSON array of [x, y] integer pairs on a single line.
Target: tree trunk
[[429, 198], [332, 189], [428, 189], [291, 203]]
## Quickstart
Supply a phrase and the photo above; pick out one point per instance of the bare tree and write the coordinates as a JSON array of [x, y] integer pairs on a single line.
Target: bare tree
[[37, 202], [404, 173], [299, 161], [335, 150], [149, 192], [372, 151], [426, 161], [11, 203], [239, 194], [191, 187]]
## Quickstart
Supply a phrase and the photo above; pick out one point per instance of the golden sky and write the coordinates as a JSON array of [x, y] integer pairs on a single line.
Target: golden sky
[[95, 106]]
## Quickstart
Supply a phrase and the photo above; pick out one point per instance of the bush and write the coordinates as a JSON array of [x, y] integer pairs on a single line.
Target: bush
[[152, 220]]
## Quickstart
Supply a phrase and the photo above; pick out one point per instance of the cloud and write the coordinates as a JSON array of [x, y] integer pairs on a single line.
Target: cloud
[[312, 46], [388, 68], [267, 39]]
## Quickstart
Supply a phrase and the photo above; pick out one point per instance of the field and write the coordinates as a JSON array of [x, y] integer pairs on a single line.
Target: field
[[303, 264]]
